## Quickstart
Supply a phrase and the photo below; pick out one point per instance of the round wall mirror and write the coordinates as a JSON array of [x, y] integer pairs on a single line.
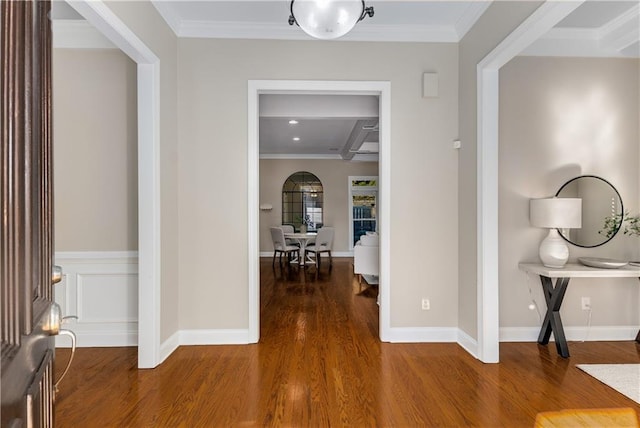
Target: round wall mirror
[[602, 210]]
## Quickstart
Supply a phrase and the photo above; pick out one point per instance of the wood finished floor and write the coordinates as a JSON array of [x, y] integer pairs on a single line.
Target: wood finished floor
[[319, 363]]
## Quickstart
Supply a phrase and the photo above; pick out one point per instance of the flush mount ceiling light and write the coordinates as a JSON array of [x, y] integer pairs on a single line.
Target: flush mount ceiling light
[[328, 19]]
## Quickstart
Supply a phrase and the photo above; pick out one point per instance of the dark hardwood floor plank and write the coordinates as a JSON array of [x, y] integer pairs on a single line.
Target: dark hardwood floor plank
[[320, 363]]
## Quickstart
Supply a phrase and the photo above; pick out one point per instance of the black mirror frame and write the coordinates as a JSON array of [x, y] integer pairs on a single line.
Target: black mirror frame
[[621, 209], [291, 221]]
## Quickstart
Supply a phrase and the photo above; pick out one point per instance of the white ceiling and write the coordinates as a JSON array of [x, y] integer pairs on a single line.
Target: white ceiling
[[597, 29], [324, 126], [418, 21]]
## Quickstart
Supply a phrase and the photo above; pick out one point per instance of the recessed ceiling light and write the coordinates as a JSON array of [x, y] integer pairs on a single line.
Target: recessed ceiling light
[[293, 122], [296, 138]]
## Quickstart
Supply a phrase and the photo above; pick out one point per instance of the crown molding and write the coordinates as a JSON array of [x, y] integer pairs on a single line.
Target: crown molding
[[361, 157], [622, 32], [569, 47], [238, 30], [168, 14], [78, 34], [569, 42], [630, 17], [403, 33], [362, 33], [365, 32], [365, 157], [298, 156], [615, 39], [470, 16]]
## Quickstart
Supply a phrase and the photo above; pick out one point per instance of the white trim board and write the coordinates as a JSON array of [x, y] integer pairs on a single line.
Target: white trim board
[[368, 33], [100, 16], [536, 25], [468, 343], [241, 336], [102, 339], [422, 334], [576, 334], [379, 88], [214, 337]]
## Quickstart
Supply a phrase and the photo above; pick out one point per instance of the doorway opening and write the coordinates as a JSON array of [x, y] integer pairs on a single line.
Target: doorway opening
[[541, 21], [100, 16], [289, 87], [363, 195]]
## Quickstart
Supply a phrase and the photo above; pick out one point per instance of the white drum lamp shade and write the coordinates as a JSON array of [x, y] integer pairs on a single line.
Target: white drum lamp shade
[[554, 214]]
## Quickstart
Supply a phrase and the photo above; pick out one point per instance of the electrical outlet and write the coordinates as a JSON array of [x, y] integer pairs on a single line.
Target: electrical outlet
[[586, 303], [426, 305]]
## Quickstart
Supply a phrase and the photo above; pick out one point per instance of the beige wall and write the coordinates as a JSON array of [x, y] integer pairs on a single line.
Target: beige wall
[[334, 175], [500, 19], [433, 188], [145, 21], [213, 77], [560, 118], [95, 150]]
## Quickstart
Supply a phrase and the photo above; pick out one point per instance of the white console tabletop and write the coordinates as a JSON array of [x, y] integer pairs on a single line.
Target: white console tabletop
[[574, 270], [554, 292]]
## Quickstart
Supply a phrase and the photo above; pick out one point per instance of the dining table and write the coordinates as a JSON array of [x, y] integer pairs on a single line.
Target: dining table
[[303, 239]]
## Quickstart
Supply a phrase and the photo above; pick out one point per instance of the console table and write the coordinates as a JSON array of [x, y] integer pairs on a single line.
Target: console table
[[554, 294]]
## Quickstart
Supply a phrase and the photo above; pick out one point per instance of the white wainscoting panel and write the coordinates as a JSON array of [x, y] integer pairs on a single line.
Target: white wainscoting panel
[[101, 289]]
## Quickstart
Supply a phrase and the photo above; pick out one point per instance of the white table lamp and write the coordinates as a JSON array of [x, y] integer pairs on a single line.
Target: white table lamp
[[554, 214]]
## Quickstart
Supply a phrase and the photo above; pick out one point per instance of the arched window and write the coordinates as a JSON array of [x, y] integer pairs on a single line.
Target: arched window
[[302, 201]]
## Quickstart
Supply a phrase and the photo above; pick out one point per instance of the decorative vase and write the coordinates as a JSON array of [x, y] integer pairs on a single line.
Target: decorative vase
[[303, 228]]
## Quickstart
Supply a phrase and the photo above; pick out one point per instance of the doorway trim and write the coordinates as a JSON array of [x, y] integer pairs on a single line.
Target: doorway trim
[[488, 92], [257, 87], [111, 26]]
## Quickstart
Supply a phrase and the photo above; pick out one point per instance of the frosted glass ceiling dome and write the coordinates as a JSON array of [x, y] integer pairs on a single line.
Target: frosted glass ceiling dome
[[328, 19]]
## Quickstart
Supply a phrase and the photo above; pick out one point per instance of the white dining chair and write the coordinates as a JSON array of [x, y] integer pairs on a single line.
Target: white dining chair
[[322, 244], [288, 228], [280, 246]]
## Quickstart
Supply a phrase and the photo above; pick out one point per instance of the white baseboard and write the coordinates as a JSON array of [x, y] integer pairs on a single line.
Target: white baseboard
[[422, 334], [595, 333], [99, 339], [203, 337], [101, 289], [215, 337], [168, 346], [468, 343]]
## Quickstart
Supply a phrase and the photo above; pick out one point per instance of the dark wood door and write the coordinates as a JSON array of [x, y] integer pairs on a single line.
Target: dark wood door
[[26, 235]]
